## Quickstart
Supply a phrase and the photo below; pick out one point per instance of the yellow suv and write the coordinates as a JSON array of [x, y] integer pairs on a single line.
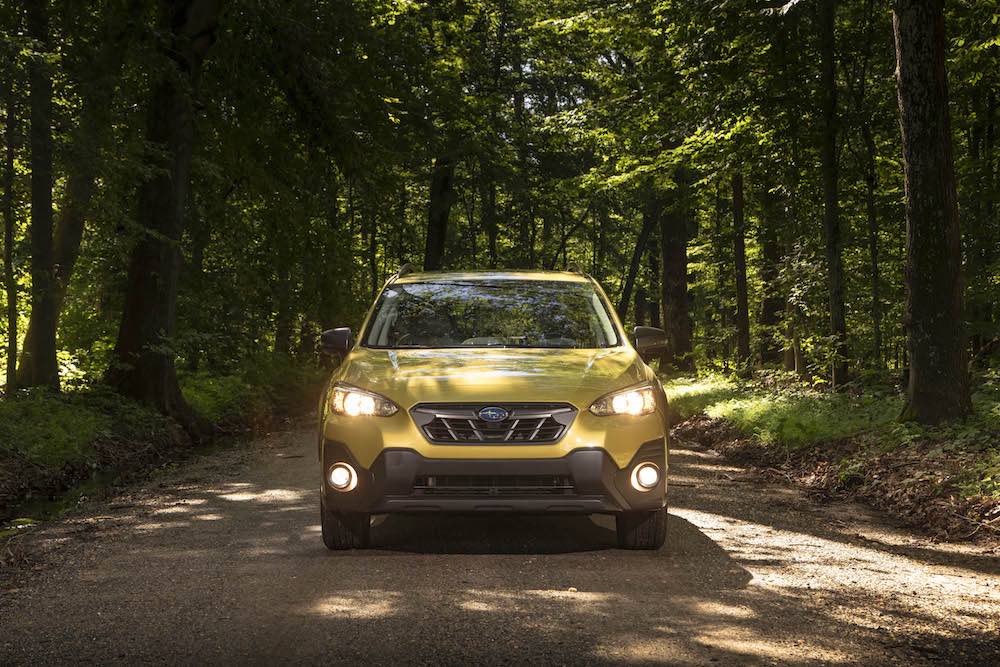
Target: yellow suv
[[513, 391]]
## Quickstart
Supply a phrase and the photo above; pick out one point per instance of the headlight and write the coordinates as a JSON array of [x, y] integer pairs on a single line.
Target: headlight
[[354, 402], [633, 401]]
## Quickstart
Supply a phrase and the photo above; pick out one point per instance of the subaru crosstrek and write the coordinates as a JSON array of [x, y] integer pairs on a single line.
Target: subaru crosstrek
[[514, 391]]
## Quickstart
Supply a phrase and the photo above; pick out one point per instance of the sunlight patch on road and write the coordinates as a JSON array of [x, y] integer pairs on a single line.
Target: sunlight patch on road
[[160, 525], [174, 509], [360, 605], [723, 610], [743, 642], [580, 602], [477, 605], [267, 496], [806, 567]]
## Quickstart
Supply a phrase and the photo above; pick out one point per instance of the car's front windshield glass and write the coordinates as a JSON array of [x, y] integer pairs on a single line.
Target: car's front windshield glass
[[491, 313]]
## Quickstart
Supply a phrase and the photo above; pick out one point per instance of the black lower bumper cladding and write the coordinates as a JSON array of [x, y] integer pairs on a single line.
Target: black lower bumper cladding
[[582, 482]]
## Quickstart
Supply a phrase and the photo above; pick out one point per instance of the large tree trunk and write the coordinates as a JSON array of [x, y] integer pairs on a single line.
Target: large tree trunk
[[38, 365], [650, 216], [740, 267], [442, 196], [938, 387], [831, 203], [676, 304], [143, 365], [81, 179], [10, 282]]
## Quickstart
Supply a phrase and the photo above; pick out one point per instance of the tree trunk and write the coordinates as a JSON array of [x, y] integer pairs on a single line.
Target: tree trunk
[[143, 365], [740, 266], [442, 196], [640, 306], [772, 302], [871, 210], [488, 212], [650, 216], [831, 203], [655, 319], [372, 220], [676, 304], [38, 365], [81, 179], [938, 386], [10, 282], [283, 317]]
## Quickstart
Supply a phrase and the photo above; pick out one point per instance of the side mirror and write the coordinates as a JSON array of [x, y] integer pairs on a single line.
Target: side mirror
[[336, 341], [649, 342]]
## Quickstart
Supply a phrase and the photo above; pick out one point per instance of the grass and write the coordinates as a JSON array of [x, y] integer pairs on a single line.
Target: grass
[[789, 417], [58, 430], [86, 437]]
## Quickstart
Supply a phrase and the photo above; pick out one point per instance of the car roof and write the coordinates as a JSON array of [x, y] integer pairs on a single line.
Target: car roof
[[468, 276]]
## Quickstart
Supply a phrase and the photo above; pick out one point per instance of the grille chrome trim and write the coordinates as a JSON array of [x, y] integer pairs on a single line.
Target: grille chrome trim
[[459, 423]]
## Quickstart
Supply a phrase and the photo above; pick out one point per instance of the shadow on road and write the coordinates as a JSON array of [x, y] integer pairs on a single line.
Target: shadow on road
[[225, 564]]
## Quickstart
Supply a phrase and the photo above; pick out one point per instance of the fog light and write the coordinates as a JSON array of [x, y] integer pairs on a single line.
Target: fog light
[[645, 476], [342, 477]]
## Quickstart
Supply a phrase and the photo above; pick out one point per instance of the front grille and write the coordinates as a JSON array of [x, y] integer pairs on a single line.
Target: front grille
[[527, 423], [520, 486]]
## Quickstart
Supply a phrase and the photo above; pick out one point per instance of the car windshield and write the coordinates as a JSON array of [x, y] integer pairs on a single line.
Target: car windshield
[[499, 313]]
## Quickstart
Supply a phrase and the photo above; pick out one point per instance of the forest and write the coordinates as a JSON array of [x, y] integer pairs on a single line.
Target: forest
[[802, 193]]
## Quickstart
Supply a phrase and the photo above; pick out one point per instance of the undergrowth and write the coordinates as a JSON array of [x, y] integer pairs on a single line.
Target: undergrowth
[[788, 417], [50, 443]]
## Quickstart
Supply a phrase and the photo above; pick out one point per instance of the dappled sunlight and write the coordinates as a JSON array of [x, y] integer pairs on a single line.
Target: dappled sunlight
[[750, 573], [159, 525], [266, 496], [361, 605]]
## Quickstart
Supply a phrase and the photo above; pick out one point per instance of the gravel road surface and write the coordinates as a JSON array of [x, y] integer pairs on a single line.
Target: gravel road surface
[[219, 560]]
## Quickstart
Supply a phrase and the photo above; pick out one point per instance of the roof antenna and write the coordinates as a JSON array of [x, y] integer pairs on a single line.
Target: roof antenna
[[574, 268], [405, 270]]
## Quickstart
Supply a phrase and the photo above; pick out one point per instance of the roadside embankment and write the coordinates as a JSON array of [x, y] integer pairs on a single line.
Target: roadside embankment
[[55, 448], [945, 480]]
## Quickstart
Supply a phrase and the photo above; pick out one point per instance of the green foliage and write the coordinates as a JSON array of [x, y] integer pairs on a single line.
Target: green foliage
[[54, 431], [806, 418], [790, 417], [49, 430], [216, 397], [693, 396], [264, 385]]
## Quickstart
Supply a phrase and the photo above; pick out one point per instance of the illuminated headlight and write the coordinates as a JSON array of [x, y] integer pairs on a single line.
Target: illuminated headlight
[[645, 477], [354, 402], [342, 477], [635, 401]]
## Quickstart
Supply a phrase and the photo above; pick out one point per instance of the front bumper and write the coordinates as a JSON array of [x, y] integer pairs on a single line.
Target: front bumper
[[402, 480]]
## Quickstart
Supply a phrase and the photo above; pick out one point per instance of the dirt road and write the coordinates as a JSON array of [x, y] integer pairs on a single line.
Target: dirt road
[[220, 561]]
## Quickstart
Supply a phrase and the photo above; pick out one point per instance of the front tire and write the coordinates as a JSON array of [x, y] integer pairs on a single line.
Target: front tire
[[343, 530], [642, 530]]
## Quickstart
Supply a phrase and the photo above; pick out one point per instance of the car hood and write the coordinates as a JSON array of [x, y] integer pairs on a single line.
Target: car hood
[[464, 375]]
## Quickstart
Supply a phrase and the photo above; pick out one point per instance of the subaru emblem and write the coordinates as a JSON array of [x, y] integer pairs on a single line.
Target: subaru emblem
[[493, 414]]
